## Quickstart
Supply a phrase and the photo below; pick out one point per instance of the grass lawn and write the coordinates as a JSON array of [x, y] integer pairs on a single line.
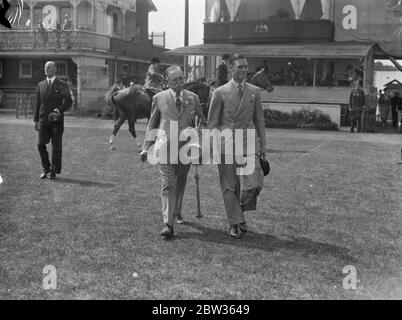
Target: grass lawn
[[331, 200]]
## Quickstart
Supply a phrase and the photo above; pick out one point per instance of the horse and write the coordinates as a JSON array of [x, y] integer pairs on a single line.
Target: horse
[[131, 104], [202, 91], [135, 103], [260, 79]]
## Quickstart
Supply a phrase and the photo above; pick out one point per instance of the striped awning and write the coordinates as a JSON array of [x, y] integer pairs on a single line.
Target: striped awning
[[293, 50]]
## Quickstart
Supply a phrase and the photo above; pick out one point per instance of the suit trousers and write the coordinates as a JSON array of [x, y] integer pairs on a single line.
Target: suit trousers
[[46, 134], [240, 196], [356, 116], [174, 179]]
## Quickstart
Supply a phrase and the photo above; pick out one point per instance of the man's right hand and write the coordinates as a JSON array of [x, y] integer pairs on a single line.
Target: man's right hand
[[144, 155], [36, 125]]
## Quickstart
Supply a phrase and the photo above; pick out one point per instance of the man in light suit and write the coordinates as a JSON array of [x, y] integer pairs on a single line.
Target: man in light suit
[[237, 106], [52, 95], [172, 107]]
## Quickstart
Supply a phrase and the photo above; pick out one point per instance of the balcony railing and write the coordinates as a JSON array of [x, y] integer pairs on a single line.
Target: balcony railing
[[53, 40], [264, 31]]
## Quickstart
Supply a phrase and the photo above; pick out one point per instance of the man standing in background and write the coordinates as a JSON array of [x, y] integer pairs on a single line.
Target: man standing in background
[[369, 110], [356, 104], [395, 103], [222, 72], [52, 100]]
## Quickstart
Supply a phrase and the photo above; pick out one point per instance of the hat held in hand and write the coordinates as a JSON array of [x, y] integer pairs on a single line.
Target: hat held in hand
[[265, 166], [55, 117]]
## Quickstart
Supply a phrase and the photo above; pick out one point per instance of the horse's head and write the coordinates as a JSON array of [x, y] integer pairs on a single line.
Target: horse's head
[[200, 89], [156, 79], [261, 80]]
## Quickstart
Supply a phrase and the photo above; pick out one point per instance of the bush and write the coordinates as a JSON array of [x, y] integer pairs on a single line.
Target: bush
[[303, 119]]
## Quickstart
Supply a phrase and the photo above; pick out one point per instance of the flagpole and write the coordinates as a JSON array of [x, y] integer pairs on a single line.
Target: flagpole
[[186, 27]]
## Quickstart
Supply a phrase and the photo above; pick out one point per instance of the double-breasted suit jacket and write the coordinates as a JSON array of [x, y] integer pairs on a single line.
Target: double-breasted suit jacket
[[49, 98], [230, 111]]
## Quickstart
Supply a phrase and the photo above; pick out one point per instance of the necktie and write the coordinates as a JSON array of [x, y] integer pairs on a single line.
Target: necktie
[[49, 84], [240, 89], [178, 102]]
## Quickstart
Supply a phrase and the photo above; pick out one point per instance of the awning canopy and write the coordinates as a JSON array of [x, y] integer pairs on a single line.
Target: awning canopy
[[299, 50]]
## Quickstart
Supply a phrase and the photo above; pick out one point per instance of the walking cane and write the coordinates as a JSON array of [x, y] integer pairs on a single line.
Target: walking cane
[[197, 179]]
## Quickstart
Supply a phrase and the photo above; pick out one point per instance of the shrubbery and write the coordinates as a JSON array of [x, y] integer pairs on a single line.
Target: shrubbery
[[303, 119]]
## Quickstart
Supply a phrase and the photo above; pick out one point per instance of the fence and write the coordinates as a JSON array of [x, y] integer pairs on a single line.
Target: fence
[[158, 39]]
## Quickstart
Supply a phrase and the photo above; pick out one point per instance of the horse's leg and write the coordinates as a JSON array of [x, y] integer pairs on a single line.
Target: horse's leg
[[131, 128], [116, 128]]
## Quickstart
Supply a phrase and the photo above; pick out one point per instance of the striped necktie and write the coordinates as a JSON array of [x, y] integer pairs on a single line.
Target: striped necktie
[[240, 90], [178, 102]]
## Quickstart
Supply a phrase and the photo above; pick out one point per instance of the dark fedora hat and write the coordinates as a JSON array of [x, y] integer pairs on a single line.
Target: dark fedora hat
[[55, 118], [265, 166]]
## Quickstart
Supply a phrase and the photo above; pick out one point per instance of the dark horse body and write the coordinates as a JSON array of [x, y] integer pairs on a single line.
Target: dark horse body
[[132, 103], [135, 103]]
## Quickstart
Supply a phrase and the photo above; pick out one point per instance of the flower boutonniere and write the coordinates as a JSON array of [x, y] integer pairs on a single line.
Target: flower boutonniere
[[188, 102]]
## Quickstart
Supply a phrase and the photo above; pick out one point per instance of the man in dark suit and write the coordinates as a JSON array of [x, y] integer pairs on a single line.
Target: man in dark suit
[[396, 102], [222, 72], [52, 98]]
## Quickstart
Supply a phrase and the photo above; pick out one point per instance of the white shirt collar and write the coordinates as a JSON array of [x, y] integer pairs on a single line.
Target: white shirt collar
[[236, 84], [51, 79], [174, 94]]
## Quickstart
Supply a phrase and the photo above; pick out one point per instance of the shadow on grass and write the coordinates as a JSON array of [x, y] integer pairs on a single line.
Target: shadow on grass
[[84, 183], [267, 242], [286, 151]]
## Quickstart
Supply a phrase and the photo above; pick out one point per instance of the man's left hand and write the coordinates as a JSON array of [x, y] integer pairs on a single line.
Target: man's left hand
[[264, 153]]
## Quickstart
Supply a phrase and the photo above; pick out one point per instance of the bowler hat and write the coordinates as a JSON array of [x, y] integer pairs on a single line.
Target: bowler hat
[[55, 118], [265, 166]]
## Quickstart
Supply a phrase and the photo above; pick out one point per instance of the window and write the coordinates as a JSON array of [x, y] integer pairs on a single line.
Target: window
[[61, 69], [115, 23], [25, 69], [126, 68]]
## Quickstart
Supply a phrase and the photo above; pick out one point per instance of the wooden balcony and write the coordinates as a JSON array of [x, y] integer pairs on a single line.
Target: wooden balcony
[[53, 40], [269, 31]]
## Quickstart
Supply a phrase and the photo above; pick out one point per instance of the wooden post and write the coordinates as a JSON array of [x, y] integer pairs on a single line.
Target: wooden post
[[93, 16], [186, 26], [365, 72], [31, 13], [75, 15], [315, 72]]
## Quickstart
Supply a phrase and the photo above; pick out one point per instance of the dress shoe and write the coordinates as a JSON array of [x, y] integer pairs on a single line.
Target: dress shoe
[[179, 220], [234, 231], [243, 227], [167, 231], [52, 176], [44, 173]]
